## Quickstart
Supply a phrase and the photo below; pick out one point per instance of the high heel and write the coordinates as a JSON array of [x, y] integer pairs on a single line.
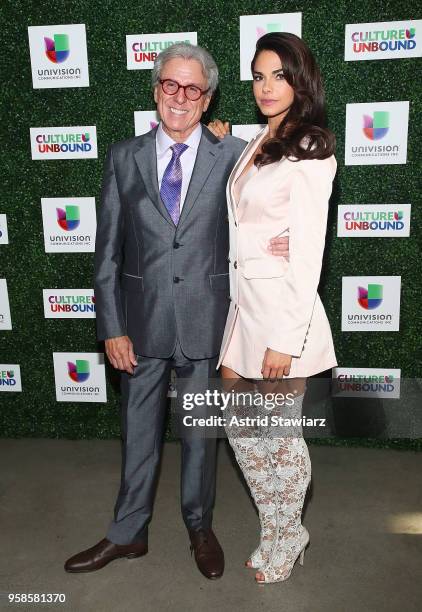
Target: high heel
[[275, 572], [258, 558], [252, 457], [269, 528], [292, 473]]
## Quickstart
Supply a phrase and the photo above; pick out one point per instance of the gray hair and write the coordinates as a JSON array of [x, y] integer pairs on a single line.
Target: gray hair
[[187, 52]]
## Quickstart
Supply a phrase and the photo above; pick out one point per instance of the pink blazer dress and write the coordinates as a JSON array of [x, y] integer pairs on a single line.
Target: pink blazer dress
[[274, 302]]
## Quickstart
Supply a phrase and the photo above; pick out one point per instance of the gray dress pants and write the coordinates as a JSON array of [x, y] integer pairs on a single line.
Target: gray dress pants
[[143, 409]]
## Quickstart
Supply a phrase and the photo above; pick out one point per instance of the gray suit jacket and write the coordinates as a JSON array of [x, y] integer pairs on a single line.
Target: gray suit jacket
[[153, 281]]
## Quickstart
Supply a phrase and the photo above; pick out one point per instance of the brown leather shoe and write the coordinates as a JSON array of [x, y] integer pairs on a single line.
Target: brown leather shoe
[[209, 555], [102, 553]]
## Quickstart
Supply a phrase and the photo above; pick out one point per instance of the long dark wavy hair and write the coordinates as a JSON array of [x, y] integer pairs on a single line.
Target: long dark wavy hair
[[302, 133]]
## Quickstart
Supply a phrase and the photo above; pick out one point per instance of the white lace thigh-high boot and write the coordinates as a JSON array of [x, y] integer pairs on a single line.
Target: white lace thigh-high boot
[[252, 457], [291, 467]]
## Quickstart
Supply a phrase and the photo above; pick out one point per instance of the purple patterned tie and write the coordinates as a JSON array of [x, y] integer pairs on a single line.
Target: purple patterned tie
[[171, 185]]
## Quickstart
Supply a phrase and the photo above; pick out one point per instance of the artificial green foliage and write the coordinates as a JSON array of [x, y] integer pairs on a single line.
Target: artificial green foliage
[[114, 94]]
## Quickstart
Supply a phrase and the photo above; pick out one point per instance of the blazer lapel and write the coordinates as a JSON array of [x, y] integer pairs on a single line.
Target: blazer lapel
[[245, 157], [239, 166], [146, 160], [206, 157]]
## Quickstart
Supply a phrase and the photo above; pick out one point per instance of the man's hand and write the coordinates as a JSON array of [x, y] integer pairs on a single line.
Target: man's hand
[[218, 128], [279, 246], [275, 365], [120, 353]]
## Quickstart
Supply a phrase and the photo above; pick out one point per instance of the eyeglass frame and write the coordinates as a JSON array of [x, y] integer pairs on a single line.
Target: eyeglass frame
[[179, 86]]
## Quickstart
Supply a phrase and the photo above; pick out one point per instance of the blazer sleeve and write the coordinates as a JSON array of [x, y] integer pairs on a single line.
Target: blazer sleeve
[[308, 210], [108, 256]]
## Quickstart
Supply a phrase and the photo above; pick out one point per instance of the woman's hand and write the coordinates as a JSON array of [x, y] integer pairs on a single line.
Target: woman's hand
[[275, 364], [218, 128]]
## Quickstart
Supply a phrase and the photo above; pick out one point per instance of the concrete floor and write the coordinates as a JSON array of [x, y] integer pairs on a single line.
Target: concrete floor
[[56, 498]]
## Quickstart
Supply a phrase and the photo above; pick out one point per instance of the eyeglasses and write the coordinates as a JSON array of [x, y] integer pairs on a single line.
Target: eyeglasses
[[192, 92]]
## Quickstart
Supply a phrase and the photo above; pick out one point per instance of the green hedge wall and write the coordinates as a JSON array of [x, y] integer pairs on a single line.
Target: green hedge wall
[[108, 103]]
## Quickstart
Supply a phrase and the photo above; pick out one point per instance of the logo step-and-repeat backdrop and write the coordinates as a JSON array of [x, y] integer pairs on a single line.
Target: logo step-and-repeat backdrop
[[374, 131]]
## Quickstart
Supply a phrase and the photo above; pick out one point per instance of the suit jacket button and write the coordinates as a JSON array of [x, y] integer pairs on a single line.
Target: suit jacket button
[[176, 279], [176, 245]]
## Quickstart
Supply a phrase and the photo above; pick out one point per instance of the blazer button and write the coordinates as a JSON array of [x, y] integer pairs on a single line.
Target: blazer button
[[235, 265], [176, 279], [228, 259], [176, 245]]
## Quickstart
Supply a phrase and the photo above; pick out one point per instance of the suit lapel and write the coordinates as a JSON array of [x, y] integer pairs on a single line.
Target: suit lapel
[[146, 160], [206, 157]]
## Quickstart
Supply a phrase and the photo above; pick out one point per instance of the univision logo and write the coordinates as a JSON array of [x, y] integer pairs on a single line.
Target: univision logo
[[371, 297], [78, 371], [57, 50], [270, 27], [68, 219], [376, 127]]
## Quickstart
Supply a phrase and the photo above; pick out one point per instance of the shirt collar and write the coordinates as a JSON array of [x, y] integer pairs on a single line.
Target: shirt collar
[[164, 142]]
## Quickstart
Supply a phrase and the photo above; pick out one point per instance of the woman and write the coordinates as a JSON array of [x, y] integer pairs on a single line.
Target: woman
[[277, 329]]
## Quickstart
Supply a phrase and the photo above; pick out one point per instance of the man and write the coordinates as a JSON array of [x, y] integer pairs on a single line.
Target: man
[[162, 286]]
